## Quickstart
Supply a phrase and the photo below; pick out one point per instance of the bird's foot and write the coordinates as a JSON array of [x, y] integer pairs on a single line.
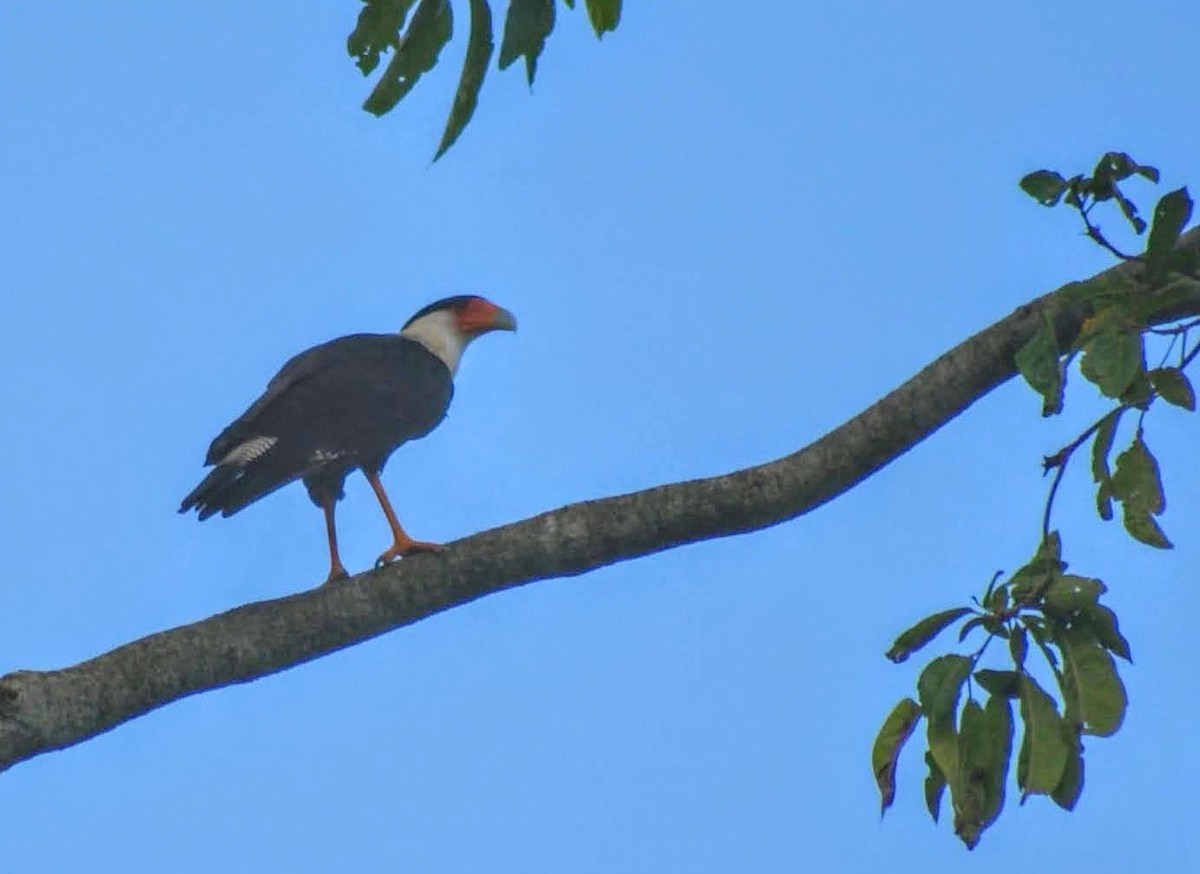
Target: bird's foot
[[404, 547]]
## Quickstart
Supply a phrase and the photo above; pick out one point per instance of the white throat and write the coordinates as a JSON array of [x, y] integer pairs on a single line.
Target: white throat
[[439, 333]]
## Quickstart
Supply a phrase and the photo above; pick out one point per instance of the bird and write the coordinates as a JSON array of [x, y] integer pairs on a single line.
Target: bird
[[344, 405]]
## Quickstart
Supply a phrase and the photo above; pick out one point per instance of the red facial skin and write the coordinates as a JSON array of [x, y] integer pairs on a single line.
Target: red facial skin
[[480, 315]]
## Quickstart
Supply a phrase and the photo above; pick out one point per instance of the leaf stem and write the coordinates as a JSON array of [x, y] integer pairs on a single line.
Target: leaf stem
[[1181, 328], [1096, 236], [1058, 463]]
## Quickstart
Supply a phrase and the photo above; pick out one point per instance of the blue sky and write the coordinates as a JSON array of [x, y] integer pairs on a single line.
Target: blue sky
[[724, 231]]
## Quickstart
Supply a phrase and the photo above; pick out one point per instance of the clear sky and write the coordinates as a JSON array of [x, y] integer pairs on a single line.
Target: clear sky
[[724, 230]]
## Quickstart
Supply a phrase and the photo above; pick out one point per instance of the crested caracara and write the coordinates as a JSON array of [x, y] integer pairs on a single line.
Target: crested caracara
[[343, 405]]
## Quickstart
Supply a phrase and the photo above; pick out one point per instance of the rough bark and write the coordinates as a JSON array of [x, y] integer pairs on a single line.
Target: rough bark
[[47, 710]]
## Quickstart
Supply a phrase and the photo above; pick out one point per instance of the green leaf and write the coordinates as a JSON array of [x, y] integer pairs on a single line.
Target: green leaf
[[1006, 684], [1118, 166], [1076, 190], [985, 747], [1115, 166], [605, 15], [1035, 576], [935, 786], [1041, 636], [1103, 622], [969, 626], [1108, 313], [998, 718], [1043, 752], [1129, 209], [1102, 444], [942, 741], [526, 27], [1101, 289], [1070, 787], [1050, 549], [1068, 593], [968, 793], [1044, 186], [991, 587], [896, 730], [995, 627], [1138, 485], [1168, 299], [1101, 188], [1173, 386], [924, 631], [1036, 626], [1038, 361], [1186, 261], [1171, 216], [416, 54], [938, 689], [1139, 393], [1094, 694], [1112, 358], [377, 30], [939, 685], [1148, 172], [1104, 501], [1018, 646], [466, 98], [1143, 528], [996, 597]]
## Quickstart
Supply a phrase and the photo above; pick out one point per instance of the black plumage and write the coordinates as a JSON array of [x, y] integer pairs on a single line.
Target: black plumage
[[342, 405]]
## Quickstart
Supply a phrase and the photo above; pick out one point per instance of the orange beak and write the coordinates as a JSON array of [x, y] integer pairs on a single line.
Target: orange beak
[[481, 316]]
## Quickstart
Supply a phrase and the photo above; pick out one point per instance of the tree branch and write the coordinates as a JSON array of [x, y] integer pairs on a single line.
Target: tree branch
[[47, 710]]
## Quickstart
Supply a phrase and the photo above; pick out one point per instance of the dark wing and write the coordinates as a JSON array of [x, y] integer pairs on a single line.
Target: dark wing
[[298, 368], [337, 406]]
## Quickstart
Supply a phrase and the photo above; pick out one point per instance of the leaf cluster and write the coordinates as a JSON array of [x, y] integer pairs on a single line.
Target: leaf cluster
[[1083, 193], [415, 41], [1111, 344], [969, 742], [1111, 340]]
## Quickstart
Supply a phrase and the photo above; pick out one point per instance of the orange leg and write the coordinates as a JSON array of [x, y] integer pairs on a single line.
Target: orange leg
[[336, 570], [402, 544]]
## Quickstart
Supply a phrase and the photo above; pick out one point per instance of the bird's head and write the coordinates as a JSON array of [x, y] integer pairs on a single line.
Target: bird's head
[[446, 326]]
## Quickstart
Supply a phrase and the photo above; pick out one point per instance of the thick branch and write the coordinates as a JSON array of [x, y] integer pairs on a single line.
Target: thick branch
[[42, 711]]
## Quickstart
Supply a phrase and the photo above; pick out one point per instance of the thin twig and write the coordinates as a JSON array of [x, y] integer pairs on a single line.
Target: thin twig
[[975, 663], [1181, 328], [1094, 234], [1058, 463], [1190, 357], [1170, 348]]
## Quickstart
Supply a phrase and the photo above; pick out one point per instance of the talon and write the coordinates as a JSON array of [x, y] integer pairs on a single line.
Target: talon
[[402, 548], [402, 544]]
